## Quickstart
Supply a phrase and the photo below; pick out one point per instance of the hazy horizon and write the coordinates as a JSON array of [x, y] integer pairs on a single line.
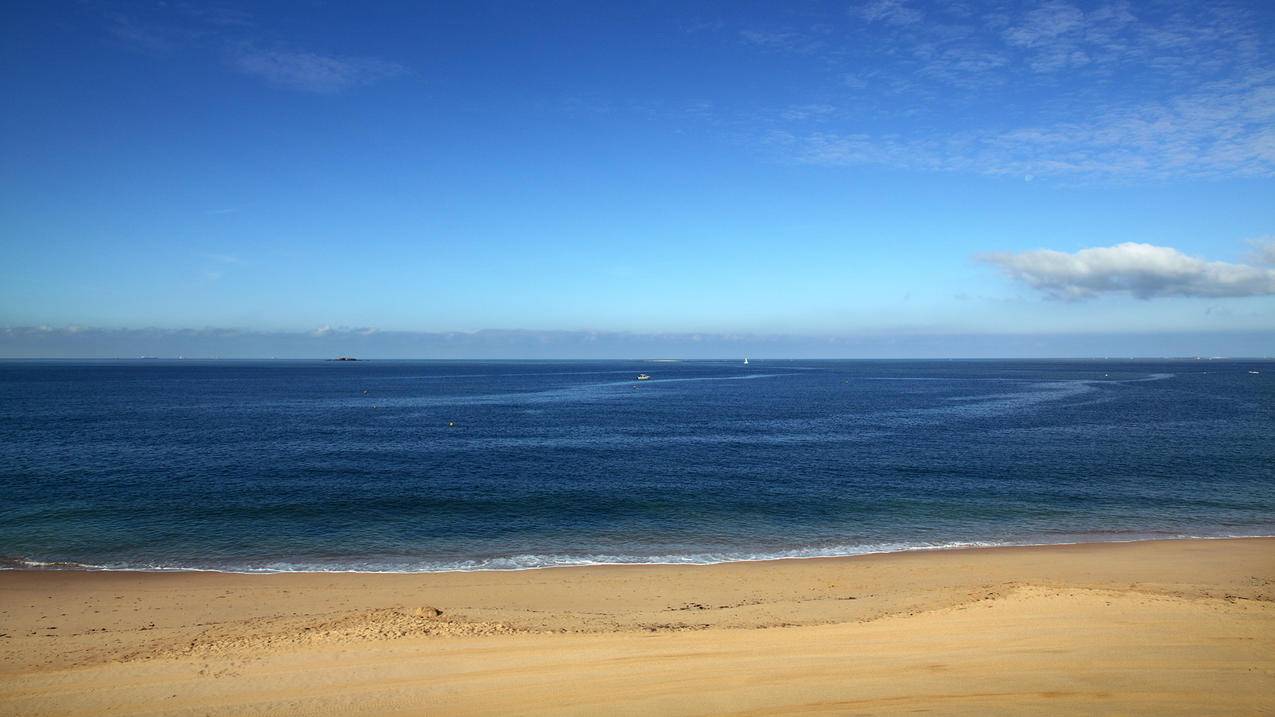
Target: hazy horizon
[[585, 345]]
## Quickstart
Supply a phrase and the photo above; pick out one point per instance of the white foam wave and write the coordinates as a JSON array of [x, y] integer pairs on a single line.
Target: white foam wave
[[540, 562], [1152, 377]]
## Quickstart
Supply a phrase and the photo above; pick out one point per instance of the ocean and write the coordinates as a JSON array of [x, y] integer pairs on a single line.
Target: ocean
[[466, 465]]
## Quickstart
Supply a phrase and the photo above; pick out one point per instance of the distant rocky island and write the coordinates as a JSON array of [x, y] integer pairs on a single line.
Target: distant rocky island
[[344, 358]]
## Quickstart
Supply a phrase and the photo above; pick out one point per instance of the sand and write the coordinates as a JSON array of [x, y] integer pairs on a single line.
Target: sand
[[1158, 628]]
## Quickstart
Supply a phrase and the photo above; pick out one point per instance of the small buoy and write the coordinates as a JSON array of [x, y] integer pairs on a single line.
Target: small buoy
[[451, 423]]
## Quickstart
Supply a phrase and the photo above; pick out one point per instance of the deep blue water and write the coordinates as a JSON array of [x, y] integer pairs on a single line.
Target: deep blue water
[[397, 465]]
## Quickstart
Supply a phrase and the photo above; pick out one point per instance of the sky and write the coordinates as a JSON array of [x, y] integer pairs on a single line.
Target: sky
[[562, 179]]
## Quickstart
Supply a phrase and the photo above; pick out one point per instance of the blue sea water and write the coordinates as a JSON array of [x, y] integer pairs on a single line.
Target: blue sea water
[[445, 465]]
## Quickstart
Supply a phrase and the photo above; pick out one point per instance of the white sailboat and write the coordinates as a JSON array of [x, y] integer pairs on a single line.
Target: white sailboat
[[745, 360]]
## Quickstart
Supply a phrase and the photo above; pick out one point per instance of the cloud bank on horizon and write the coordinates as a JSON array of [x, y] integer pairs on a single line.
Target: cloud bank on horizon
[[368, 342]]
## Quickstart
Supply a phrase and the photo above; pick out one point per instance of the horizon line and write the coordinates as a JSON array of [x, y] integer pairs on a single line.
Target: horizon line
[[340, 359]]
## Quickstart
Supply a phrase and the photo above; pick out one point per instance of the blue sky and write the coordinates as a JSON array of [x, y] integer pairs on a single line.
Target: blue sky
[[891, 172]]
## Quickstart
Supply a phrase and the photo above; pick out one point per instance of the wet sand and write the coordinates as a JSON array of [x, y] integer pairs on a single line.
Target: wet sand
[[1168, 627]]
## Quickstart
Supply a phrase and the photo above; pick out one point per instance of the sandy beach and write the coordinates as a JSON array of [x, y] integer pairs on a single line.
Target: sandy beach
[[1171, 627]]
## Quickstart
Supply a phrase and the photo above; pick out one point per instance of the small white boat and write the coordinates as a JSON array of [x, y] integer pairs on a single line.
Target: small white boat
[[745, 360], [643, 377], [1254, 371]]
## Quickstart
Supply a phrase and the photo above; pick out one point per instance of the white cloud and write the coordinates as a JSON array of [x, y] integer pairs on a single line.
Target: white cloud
[[890, 12], [783, 41], [1263, 250], [813, 111], [312, 72], [149, 39], [1098, 90], [1142, 270], [1045, 23], [1223, 129], [211, 31]]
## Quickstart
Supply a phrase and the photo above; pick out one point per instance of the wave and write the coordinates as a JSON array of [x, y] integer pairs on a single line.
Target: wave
[[540, 562], [744, 377], [590, 392], [1152, 377]]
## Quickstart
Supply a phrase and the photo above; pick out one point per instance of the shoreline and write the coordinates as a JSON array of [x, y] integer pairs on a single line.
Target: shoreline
[[1158, 627], [27, 565]]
